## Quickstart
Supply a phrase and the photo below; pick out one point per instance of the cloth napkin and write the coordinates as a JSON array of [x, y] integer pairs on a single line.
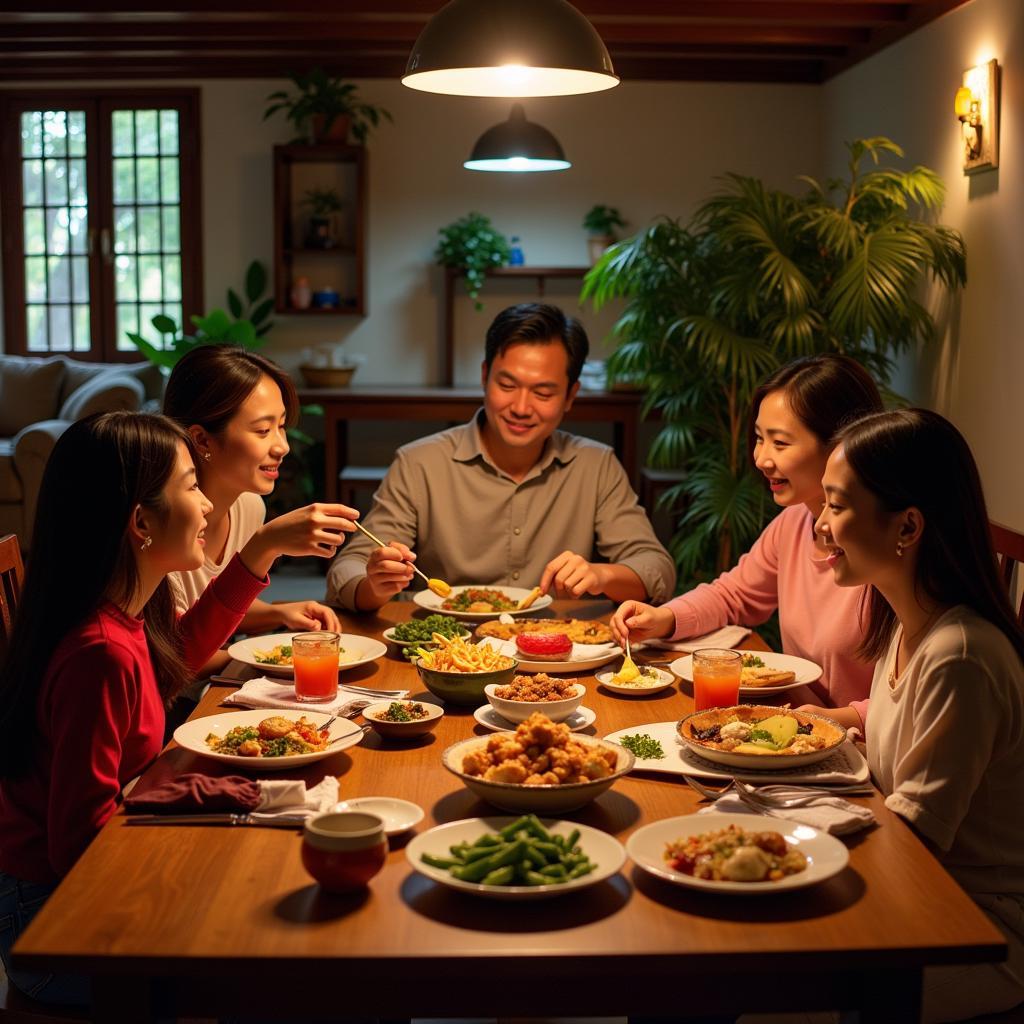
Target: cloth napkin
[[727, 637], [830, 814], [264, 798], [262, 692]]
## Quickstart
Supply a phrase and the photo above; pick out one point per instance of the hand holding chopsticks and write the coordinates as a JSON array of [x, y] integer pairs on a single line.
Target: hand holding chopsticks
[[438, 587]]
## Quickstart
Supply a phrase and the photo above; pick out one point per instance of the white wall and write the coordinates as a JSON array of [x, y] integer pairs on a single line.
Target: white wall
[[975, 373]]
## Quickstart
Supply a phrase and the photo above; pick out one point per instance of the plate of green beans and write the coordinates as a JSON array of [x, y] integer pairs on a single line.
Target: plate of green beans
[[523, 858]]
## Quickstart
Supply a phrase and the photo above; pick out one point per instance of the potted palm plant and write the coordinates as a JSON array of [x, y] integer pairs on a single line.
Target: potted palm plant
[[600, 222], [326, 109], [757, 278]]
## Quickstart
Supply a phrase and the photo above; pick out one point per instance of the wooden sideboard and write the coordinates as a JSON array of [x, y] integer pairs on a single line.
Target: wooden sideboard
[[455, 405]]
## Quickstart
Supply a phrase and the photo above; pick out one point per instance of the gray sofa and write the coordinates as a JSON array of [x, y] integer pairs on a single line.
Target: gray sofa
[[39, 399]]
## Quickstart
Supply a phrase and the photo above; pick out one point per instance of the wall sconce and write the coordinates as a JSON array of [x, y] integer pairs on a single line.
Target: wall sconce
[[977, 106], [517, 145]]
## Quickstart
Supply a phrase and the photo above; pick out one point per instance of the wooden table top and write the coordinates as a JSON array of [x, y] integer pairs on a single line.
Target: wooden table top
[[206, 902]]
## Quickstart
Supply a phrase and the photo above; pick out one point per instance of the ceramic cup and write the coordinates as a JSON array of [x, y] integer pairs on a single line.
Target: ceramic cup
[[343, 850]]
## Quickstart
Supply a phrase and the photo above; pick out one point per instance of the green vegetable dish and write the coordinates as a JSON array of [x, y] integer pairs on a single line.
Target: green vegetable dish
[[418, 630], [522, 853], [644, 747]]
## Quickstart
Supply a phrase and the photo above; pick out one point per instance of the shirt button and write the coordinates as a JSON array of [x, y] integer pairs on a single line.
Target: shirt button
[[515, 575], [517, 531]]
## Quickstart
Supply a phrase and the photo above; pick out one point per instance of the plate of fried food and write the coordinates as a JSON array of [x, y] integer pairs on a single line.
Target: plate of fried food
[[759, 736], [272, 654], [736, 854], [515, 858], [763, 672], [478, 602], [265, 742]]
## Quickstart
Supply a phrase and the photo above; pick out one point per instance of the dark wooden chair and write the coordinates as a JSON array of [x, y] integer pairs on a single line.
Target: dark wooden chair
[[12, 573], [1009, 547]]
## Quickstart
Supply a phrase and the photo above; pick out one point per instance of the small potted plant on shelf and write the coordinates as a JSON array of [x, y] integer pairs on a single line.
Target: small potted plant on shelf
[[323, 202], [326, 109], [474, 245], [601, 222]]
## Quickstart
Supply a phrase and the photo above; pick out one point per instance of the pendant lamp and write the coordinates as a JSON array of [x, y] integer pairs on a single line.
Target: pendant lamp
[[517, 145], [509, 48]]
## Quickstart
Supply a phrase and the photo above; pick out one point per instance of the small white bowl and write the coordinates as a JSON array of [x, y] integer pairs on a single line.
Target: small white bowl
[[402, 730], [665, 680], [520, 710]]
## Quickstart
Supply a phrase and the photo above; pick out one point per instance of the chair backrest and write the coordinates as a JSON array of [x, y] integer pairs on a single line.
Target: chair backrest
[[12, 573], [1009, 547]]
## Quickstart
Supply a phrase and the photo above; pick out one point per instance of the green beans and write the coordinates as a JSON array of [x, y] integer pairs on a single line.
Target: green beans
[[522, 853]]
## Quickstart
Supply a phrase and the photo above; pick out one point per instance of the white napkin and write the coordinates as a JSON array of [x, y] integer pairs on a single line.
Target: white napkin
[[580, 652], [831, 814], [290, 798], [262, 692], [727, 636]]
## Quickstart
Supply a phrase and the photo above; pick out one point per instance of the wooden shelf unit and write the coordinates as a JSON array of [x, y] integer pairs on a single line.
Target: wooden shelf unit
[[294, 173], [451, 277]]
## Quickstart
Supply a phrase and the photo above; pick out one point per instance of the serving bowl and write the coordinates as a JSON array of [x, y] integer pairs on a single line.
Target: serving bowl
[[402, 730], [520, 710], [465, 688], [511, 796]]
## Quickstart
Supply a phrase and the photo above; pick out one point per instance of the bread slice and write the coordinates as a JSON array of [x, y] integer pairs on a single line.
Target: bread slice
[[766, 677]]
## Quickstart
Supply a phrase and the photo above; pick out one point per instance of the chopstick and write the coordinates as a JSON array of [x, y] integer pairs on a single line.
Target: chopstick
[[376, 540]]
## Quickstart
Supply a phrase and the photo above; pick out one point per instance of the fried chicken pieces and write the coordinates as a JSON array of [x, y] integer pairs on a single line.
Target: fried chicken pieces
[[540, 753]]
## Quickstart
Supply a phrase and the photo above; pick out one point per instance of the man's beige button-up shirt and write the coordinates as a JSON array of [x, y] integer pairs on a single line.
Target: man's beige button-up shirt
[[470, 523]]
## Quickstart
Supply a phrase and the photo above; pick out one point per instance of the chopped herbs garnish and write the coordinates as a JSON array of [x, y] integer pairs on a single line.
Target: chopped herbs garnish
[[643, 746]]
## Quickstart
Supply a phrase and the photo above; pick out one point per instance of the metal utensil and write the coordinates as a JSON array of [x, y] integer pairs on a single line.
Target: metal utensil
[[283, 821], [707, 792], [438, 587]]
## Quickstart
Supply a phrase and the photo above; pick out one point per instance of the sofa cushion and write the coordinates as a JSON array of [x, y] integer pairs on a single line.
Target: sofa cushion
[[106, 392], [77, 373], [11, 492], [29, 391]]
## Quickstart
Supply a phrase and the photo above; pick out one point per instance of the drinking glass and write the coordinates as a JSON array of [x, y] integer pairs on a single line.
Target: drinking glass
[[315, 660], [716, 678]]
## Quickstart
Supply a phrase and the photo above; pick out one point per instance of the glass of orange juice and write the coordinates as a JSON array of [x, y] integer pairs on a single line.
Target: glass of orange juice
[[716, 678], [315, 660]]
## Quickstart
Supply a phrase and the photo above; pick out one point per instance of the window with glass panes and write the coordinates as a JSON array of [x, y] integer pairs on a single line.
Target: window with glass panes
[[103, 211]]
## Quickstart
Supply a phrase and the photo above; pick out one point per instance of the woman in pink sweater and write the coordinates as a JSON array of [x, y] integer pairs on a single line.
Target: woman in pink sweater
[[795, 414], [98, 649]]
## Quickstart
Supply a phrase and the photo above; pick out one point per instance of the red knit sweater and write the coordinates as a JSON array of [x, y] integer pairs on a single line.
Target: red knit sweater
[[101, 722]]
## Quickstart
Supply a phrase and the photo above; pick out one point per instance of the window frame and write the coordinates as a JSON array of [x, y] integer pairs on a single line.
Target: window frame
[[98, 105]]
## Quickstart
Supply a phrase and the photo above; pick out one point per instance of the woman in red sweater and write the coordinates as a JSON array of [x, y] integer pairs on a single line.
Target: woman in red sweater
[[98, 649]]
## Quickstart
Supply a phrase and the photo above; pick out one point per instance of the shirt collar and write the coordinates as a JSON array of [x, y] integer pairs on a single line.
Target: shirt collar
[[470, 446]]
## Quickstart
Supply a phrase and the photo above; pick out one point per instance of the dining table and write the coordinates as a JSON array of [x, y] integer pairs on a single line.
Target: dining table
[[205, 921]]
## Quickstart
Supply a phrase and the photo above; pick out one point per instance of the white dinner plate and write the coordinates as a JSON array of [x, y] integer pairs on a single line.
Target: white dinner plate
[[665, 680], [357, 650], [825, 854], [604, 850], [428, 599], [806, 671], [398, 815], [490, 719], [584, 657], [192, 736]]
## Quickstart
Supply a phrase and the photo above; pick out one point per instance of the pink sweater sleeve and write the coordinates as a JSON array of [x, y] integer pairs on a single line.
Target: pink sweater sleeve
[[746, 595], [218, 612]]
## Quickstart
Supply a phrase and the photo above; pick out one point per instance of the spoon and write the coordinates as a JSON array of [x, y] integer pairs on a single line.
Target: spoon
[[438, 587]]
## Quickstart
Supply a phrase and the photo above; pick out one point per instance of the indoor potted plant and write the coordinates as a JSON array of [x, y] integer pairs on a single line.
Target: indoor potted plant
[[326, 109], [323, 202], [474, 245], [601, 222]]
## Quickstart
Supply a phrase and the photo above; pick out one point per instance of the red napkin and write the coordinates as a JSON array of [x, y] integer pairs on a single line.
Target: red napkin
[[196, 792]]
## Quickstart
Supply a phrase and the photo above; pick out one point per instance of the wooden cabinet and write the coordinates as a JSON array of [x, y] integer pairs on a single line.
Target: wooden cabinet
[[451, 277], [332, 262]]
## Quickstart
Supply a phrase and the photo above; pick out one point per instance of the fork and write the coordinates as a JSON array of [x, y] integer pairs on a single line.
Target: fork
[[707, 792]]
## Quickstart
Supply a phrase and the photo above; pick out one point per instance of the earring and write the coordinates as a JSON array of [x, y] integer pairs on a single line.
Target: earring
[[206, 456], [899, 549], [146, 544]]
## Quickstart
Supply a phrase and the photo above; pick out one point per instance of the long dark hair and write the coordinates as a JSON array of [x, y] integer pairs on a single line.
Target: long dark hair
[[917, 458], [825, 392], [208, 385], [101, 468]]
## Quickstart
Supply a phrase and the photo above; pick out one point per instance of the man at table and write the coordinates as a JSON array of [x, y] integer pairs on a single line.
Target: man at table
[[507, 498]]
